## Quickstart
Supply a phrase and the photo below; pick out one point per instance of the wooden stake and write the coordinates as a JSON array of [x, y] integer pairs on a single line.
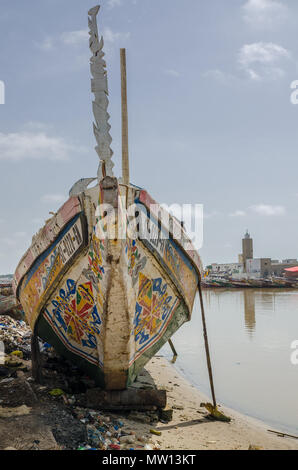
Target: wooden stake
[[125, 156], [36, 360], [207, 346], [175, 355]]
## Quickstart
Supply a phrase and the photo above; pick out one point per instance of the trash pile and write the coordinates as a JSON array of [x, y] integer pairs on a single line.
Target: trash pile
[[9, 305], [16, 336], [59, 403], [110, 433], [5, 290]]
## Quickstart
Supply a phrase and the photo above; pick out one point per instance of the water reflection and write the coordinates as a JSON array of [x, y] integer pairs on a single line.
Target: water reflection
[[267, 300], [249, 311], [250, 332]]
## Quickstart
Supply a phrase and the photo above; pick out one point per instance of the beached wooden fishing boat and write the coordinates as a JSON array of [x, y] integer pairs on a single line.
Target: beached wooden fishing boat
[[102, 292]]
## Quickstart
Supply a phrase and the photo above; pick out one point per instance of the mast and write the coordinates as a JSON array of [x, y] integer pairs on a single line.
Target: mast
[[125, 156], [99, 86]]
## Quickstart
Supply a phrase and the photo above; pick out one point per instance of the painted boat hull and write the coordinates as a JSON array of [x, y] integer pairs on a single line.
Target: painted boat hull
[[106, 302]]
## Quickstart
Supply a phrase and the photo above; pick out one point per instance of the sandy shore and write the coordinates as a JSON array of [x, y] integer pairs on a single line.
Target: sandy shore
[[33, 417], [189, 428]]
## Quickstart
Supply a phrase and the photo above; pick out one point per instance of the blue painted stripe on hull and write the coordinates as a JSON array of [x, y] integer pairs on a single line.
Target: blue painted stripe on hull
[[42, 257]]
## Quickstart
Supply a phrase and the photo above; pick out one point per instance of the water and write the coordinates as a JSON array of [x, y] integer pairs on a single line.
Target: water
[[250, 334]]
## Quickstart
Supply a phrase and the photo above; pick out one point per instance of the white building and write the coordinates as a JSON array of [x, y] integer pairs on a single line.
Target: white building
[[227, 268], [258, 267]]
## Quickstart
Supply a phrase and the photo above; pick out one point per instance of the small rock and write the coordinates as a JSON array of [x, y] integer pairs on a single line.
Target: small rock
[[166, 414], [8, 380]]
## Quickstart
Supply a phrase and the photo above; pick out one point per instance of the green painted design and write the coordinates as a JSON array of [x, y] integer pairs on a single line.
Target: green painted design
[[181, 316], [93, 371]]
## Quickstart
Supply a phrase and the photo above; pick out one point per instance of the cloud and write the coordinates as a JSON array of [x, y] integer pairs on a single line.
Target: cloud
[[172, 73], [268, 210], [53, 198], [238, 213], [111, 36], [73, 38], [47, 44], [114, 3], [24, 145], [264, 14], [80, 37], [263, 60]]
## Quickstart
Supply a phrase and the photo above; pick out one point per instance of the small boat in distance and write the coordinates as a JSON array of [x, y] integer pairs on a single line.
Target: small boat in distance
[[107, 288]]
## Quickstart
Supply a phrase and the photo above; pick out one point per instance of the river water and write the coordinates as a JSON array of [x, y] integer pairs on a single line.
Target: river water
[[250, 334]]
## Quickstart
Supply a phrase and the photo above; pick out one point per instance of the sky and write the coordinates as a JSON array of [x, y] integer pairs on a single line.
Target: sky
[[211, 120]]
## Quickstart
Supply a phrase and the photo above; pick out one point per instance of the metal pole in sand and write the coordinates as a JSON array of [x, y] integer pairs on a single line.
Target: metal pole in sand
[[207, 346]]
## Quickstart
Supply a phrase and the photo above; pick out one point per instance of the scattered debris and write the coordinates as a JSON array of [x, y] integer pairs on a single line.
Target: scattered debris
[[157, 433], [59, 409], [282, 434], [166, 414], [215, 413], [56, 392], [16, 336]]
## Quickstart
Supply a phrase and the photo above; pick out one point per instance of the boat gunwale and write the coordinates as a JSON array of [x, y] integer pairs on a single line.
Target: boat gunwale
[[197, 264], [48, 292], [16, 284]]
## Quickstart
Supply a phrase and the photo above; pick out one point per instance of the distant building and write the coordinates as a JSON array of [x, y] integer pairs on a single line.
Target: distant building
[[278, 269], [248, 266], [227, 268], [291, 273], [258, 267], [247, 248]]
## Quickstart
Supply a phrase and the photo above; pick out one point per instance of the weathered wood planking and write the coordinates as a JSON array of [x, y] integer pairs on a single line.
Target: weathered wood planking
[[108, 304]]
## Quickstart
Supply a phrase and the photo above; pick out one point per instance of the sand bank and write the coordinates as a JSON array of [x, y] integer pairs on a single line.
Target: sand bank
[[190, 429]]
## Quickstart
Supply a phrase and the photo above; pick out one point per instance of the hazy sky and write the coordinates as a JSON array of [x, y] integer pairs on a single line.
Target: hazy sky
[[210, 116]]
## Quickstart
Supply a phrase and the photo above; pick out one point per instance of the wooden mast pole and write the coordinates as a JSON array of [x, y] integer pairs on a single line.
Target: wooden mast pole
[[125, 156]]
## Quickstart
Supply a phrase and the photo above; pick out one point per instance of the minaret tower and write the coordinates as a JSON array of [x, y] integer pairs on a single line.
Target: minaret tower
[[247, 248]]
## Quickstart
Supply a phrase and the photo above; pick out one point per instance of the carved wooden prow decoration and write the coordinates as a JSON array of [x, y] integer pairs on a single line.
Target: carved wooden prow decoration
[[99, 86]]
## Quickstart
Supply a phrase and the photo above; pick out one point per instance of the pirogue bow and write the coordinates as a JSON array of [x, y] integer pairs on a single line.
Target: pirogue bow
[[105, 297]]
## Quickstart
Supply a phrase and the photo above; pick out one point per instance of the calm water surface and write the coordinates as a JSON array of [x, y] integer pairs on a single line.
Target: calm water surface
[[250, 334]]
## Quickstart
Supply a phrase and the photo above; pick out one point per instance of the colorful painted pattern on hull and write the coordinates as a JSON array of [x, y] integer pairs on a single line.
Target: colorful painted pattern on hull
[[49, 266], [172, 257], [155, 306], [180, 316], [155, 299], [75, 311], [74, 317]]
